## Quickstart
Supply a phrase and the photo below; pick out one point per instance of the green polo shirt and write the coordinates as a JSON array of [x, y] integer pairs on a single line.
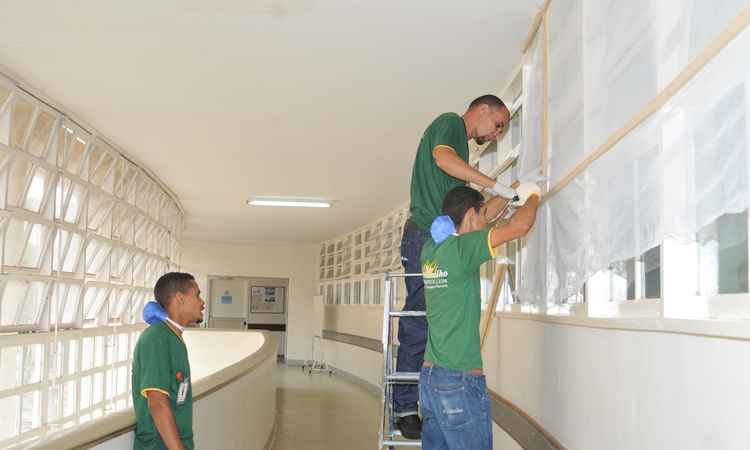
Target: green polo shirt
[[160, 363], [454, 304], [429, 184]]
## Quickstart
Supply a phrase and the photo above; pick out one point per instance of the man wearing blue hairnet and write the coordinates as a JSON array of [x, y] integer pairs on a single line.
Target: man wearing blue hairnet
[[162, 388]]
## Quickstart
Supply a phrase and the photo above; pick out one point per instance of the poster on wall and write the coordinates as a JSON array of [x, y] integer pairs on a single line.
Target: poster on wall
[[267, 299]]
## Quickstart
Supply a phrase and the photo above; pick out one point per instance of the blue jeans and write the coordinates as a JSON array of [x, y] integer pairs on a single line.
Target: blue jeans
[[412, 331], [455, 410]]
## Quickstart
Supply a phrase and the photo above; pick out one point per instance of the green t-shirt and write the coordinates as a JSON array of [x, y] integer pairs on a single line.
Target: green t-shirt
[[454, 304], [160, 362], [429, 183]]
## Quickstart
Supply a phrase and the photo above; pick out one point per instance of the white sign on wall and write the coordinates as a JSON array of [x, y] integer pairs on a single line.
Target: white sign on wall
[[228, 299], [267, 299]]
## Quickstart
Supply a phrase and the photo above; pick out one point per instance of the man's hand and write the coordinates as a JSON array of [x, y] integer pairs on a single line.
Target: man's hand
[[161, 412], [504, 191], [526, 190]]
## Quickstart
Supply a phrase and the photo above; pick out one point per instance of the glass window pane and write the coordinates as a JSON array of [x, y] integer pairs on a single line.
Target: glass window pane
[[121, 265], [72, 366], [31, 411], [23, 111], [96, 255], [34, 237], [22, 302], [515, 127], [123, 347], [99, 349], [108, 349], [122, 380], [69, 398], [651, 261], [20, 172], [121, 301], [4, 94], [66, 296], [93, 301], [69, 246], [76, 151], [109, 384], [87, 354], [35, 245], [86, 392], [32, 364], [98, 388], [54, 403], [99, 213], [56, 360], [40, 135], [10, 418], [70, 198], [10, 367], [722, 255], [622, 275], [38, 187], [122, 224], [101, 162]]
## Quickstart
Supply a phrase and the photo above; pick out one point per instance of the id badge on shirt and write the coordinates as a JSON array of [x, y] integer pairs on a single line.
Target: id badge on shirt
[[182, 391]]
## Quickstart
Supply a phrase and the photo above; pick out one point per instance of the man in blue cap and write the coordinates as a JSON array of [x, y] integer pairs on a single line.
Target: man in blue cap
[[453, 395], [162, 388]]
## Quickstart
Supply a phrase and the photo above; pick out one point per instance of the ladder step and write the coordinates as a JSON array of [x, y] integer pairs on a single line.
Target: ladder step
[[395, 443], [403, 376], [408, 314]]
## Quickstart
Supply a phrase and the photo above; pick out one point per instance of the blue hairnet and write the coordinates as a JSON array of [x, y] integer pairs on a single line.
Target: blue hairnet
[[153, 312], [441, 228]]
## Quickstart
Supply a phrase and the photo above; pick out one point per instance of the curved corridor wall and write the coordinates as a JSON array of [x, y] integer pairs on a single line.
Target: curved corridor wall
[[234, 393]]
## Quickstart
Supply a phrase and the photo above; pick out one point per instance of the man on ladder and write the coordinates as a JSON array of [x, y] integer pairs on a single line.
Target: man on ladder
[[442, 163]]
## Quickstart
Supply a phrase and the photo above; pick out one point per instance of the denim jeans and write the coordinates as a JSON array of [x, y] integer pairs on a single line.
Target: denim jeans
[[412, 331], [455, 410]]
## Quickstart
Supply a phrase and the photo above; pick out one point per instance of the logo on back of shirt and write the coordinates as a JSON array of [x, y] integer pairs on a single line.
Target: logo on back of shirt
[[434, 276]]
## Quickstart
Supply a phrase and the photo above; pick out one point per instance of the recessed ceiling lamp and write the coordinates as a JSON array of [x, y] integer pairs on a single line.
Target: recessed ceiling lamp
[[289, 202]]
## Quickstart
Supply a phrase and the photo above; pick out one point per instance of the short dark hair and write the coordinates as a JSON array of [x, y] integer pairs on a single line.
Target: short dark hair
[[171, 283], [459, 200], [493, 101]]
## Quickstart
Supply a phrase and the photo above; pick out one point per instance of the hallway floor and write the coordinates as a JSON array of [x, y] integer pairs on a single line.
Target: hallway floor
[[322, 412]]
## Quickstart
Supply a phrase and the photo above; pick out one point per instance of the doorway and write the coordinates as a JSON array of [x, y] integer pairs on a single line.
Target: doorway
[[250, 303]]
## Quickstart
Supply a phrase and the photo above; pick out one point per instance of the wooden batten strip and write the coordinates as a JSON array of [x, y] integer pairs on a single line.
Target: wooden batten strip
[[535, 27]]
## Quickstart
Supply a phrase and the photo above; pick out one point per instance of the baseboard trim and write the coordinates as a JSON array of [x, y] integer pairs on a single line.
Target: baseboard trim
[[352, 339], [350, 377], [272, 436]]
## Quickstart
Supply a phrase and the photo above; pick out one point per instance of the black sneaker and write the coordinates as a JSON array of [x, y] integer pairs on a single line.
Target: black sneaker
[[410, 426]]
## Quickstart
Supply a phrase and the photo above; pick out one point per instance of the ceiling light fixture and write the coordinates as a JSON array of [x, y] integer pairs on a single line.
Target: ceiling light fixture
[[289, 202]]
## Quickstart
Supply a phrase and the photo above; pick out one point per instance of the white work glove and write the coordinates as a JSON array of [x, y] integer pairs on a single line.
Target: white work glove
[[525, 191], [504, 191]]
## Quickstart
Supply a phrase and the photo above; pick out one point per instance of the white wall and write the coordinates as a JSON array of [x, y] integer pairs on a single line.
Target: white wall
[[262, 259], [601, 388], [594, 388]]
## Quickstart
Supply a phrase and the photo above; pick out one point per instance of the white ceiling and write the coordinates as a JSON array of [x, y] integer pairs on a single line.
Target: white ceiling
[[228, 99]]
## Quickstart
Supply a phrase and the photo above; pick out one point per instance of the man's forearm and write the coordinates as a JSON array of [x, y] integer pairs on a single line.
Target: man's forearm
[[519, 224], [165, 423], [450, 163]]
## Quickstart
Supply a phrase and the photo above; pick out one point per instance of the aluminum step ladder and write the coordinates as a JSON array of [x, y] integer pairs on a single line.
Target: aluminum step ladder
[[389, 436]]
